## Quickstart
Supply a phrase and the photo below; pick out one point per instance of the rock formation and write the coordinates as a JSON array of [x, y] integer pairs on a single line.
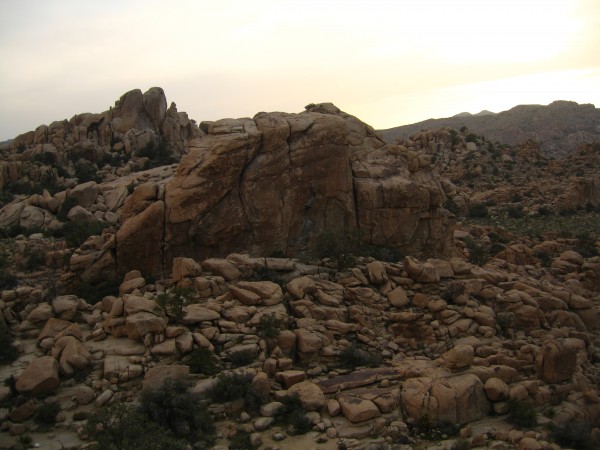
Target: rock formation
[[274, 183], [476, 326]]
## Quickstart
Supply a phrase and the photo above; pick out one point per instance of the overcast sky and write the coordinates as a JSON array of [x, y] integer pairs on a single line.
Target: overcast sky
[[389, 62]]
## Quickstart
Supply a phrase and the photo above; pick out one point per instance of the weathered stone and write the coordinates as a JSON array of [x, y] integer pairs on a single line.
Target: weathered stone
[[455, 399], [398, 297], [196, 313], [496, 390], [356, 409], [309, 394], [142, 323], [65, 306], [290, 377], [459, 357], [156, 376], [556, 361], [39, 377], [185, 268]]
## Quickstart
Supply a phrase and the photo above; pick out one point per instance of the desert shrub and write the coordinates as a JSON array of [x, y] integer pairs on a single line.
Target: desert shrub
[[76, 233], [293, 416], [515, 211], [337, 245], [34, 259], [173, 302], [586, 244], [174, 409], [231, 386], [455, 137], [241, 441], [242, 358], [478, 210], [477, 253], [471, 137], [157, 153], [352, 357], [93, 293], [545, 258], [203, 361], [433, 431], [80, 415], [461, 444], [65, 207], [234, 386], [451, 206], [521, 414], [8, 352], [576, 435], [46, 414], [496, 238], [381, 253], [26, 440], [115, 427], [505, 320], [270, 325], [7, 280], [86, 171]]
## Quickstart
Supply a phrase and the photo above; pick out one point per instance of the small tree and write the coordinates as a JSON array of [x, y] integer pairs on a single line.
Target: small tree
[[172, 303]]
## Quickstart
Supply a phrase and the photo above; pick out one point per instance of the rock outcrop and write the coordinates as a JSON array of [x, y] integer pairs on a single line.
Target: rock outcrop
[[274, 183]]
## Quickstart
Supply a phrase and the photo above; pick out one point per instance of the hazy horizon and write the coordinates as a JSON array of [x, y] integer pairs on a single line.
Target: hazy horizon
[[389, 63]]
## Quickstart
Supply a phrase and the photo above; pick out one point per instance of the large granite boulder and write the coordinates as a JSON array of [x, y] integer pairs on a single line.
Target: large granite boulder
[[276, 182]]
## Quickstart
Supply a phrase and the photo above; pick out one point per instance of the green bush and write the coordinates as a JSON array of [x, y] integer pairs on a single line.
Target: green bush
[[231, 386], [337, 245], [173, 408], [8, 352], [242, 358], [515, 212], [270, 325], [477, 252], [235, 386], [86, 171], [478, 210], [576, 435], [34, 259], [65, 207], [521, 414], [240, 441], [293, 416], [7, 280], [352, 357], [93, 293], [76, 233], [451, 206], [157, 153], [173, 302], [203, 361], [461, 444], [115, 427], [46, 414], [545, 258]]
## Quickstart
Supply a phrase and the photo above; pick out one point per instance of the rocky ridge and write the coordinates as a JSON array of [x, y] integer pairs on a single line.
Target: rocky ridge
[[560, 127]]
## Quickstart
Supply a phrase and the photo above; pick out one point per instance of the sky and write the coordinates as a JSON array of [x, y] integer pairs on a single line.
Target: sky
[[388, 62]]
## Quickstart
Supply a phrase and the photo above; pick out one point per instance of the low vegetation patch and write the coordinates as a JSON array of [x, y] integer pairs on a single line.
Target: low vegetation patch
[[352, 357], [293, 416], [521, 414]]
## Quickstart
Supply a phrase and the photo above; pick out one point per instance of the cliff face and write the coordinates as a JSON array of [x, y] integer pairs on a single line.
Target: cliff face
[[274, 183]]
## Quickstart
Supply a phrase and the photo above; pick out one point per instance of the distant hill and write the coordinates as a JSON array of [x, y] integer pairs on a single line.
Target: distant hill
[[560, 127]]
